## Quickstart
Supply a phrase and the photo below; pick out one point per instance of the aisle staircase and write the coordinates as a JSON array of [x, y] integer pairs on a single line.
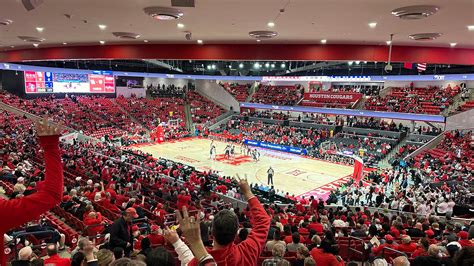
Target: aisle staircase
[[131, 116], [188, 117], [385, 162], [252, 91], [453, 108]]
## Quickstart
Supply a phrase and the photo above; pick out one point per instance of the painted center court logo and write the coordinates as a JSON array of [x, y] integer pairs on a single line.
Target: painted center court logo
[[296, 172], [238, 160]]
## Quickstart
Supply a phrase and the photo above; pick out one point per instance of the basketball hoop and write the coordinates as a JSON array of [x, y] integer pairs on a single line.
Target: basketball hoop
[[328, 147], [174, 123]]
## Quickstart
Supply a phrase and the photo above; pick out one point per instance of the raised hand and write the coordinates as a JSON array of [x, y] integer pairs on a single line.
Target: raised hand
[[44, 127], [190, 226], [244, 187]]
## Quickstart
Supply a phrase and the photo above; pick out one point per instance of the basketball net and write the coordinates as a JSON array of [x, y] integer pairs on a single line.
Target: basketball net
[[328, 147]]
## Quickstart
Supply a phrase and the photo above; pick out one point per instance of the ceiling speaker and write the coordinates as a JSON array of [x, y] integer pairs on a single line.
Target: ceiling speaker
[[31, 4]]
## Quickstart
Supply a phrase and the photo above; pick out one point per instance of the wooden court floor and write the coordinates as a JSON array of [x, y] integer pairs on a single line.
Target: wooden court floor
[[293, 173]]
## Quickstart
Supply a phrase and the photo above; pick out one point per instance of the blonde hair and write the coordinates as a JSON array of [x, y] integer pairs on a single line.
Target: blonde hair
[[105, 257]]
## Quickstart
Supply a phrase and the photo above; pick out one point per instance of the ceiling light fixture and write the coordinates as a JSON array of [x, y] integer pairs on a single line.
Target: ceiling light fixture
[[163, 13], [200, 42], [145, 40], [263, 34], [415, 12], [35, 44], [452, 44], [180, 25], [357, 62], [102, 26], [267, 65], [424, 36], [271, 24], [39, 29], [470, 27], [13, 46], [64, 43], [102, 42], [372, 25], [5, 22], [350, 63], [241, 65], [272, 65], [283, 65], [389, 42], [324, 41], [259, 40], [213, 66], [256, 65]]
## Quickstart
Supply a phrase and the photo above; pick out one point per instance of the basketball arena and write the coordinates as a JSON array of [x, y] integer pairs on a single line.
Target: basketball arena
[[249, 133]]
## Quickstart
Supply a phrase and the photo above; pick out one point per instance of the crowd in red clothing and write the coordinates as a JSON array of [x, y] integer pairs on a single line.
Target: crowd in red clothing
[[239, 91], [155, 188], [431, 100], [280, 95], [99, 117]]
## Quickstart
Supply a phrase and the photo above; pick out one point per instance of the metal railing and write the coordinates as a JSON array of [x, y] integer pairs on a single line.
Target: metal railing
[[16, 237], [352, 250], [392, 253]]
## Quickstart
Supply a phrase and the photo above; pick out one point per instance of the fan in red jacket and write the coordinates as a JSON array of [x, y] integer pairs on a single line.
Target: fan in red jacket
[[156, 239], [93, 222], [406, 245], [377, 250], [21, 210], [183, 200], [463, 239], [224, 230], [54, 259]]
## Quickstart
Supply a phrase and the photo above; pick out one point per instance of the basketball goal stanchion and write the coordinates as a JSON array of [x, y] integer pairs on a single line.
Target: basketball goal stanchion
[[330, 148]]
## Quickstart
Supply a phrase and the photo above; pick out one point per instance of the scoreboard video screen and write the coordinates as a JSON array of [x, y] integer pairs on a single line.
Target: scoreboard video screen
[[55, 82]]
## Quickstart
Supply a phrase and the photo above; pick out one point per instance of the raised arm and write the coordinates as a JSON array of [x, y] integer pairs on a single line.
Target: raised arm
[[30, 207], [260, 221]]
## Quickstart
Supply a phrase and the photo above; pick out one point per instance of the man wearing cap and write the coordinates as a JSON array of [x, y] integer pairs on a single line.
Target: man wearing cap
[[377, 250], [121, 231], [463, 239], [155, 237]]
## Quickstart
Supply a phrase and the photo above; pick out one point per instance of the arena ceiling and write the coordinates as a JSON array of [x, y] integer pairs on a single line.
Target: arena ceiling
[[91, 23], [230, 21]]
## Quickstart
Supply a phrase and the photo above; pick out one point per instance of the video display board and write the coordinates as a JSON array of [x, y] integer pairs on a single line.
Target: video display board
[[56, 82]]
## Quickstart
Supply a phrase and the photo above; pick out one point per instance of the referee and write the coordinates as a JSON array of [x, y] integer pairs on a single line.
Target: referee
[[270, 173]]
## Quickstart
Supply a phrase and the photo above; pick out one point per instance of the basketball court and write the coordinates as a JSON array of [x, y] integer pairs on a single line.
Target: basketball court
[[295, 174]]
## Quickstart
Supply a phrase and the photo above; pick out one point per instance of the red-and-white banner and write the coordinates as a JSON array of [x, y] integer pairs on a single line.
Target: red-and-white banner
[[342, 97]]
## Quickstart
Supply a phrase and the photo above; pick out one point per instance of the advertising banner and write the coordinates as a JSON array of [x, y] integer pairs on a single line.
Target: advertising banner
[[276, 147], [340, 97]]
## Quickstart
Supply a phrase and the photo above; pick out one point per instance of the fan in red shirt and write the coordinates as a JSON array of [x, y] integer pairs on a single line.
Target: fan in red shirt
[[463, 239], [406, 245], [323, 255], [21, 210], [224, 229], [377, 250], [316, 226], [183, 200], [156, 239], [93, 222], [54, 259]]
